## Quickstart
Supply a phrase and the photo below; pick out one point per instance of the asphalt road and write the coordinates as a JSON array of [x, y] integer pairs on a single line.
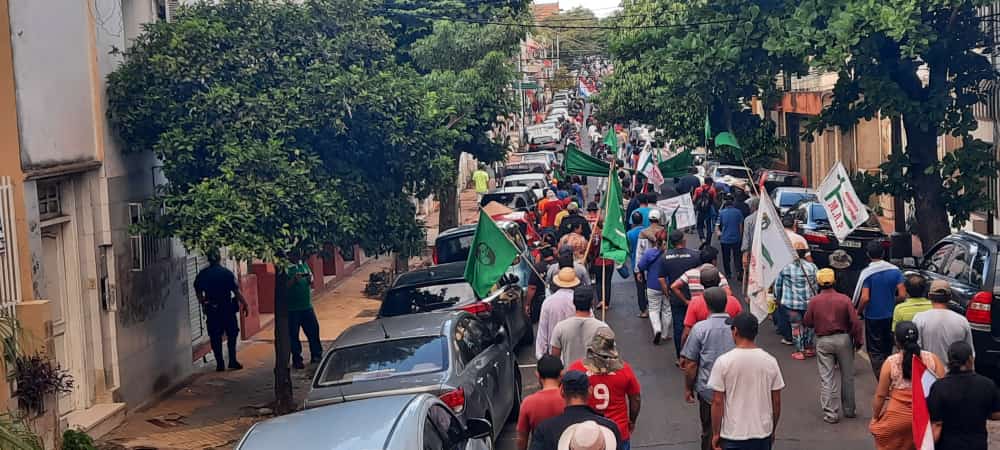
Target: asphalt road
[[668, 422]]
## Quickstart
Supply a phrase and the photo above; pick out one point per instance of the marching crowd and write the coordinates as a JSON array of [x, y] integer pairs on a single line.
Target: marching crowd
[[590, 397]]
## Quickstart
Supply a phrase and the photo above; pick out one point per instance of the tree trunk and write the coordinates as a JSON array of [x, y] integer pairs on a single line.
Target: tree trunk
[[448, 200], [283, 401], [932, 217], [898, 205]]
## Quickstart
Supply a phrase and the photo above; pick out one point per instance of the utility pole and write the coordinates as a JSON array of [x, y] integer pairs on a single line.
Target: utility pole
[[557, 52], [520, 96]]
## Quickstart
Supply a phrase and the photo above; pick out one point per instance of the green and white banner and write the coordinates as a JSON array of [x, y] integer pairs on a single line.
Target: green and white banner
[[843, 207], [770, 252]]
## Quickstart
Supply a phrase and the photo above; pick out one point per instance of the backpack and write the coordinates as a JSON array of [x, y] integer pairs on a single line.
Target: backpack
[[703, 200]]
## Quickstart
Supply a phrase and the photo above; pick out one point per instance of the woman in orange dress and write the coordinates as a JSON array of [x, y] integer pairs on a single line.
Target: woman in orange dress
[[892, 407]]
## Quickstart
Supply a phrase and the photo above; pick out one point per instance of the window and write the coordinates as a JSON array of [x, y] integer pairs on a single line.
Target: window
[[415, 299], [958, 267], [49, 199], [145, 250], [789, 199], [453, 248], [384, 359], [936, 260], [979, 261], [472, 338]]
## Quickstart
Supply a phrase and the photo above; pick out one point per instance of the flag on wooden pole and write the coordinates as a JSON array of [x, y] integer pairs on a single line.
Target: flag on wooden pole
[[770, 252]]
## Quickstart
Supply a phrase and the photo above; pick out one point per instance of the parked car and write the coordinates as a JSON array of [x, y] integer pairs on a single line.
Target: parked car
[[813, 224], [526, 224], [970, 262], [386, 423], [719, 172], [770, 179], [443, 287], [547, 156], [787, 198], [536, 181], [542, 142], [525, 167], [518, 198]]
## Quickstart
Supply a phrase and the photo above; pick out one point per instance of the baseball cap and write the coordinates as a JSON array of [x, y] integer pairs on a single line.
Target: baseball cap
[[575, 382], [825, 277], [940, 290], [676, 236], [655, 215], [573, 206], [745, 323]]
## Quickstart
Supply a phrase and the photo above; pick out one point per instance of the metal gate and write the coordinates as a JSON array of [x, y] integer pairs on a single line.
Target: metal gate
[[10, 274], [195, 263]]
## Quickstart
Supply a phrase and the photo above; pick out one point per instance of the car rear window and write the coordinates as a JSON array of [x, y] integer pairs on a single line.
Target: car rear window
[[793, 198], [453, 249], [819, 216], [414, 299], [385, 359], [733, 172]]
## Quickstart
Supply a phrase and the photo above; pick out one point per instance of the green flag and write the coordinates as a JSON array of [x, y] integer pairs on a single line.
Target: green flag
[[672, 225], [729, 139], [580, 163], [611, 140], [614, 243], [708, 130], [678, 165], [490, 255]]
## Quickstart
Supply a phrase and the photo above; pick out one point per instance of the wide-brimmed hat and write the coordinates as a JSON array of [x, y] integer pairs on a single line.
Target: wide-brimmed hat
[[566, 278], [840, 260], [602, 353], [587, 435]]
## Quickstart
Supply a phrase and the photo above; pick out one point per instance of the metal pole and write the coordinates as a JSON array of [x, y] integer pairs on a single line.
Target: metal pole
[[604, 289], [520, 96], [557, 52]]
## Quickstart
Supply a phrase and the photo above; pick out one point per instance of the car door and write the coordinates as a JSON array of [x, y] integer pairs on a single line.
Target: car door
[[936, 263], [472, 338], [964, 271]]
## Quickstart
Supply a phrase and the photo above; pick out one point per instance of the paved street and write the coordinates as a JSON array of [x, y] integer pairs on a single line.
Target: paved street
[[667, 422]]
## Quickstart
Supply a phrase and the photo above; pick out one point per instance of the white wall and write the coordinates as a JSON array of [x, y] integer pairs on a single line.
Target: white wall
[[52, 70]]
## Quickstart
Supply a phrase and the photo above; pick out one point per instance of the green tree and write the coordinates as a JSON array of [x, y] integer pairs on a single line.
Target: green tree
[[281, 126], [677, 60], [578, 31], [918, 60]]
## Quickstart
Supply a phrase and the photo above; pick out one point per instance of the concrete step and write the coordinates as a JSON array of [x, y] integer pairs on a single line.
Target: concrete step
[[97, 420]]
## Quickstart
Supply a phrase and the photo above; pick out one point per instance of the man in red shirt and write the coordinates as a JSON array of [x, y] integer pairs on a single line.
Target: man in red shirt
[[704, 198], [543, 404], [552, 207], [614, 388], [698, 308]]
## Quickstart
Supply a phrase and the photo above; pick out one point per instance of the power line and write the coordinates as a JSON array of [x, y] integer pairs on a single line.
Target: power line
[[555, 27]]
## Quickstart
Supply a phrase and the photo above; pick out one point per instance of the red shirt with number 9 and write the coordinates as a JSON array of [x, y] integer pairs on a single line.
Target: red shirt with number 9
[[609, 394]]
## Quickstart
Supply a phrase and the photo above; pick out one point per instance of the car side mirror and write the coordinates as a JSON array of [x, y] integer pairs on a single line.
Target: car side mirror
[[478, 429]]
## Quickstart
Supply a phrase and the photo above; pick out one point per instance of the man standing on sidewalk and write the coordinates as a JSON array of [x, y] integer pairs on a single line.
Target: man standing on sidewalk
[[746, 404], [544, 404], [709, 339], [301, 313], [220, 298], [481, 181], [838, 336]]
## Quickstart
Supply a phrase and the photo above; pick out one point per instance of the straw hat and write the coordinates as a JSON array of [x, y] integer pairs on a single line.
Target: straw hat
[[566, 278], [588, 435]]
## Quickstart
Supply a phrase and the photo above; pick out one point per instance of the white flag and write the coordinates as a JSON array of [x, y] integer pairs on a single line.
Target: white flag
[[647, 166], [843, 207], [770, 252]]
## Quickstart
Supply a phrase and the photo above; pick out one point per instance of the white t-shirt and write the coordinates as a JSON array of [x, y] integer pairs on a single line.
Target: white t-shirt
[[747, 377]]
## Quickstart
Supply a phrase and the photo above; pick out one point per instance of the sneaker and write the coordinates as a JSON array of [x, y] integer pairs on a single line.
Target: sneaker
[[298, 365], [657, 338], [644, 315], [786, 341], [798, 356], [830, 420], [235, 365]]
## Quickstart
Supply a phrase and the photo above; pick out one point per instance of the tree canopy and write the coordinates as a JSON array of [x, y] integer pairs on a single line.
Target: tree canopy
[[918, 60]]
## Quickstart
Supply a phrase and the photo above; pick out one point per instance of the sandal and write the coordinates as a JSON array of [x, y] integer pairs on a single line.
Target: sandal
[[798, 356]]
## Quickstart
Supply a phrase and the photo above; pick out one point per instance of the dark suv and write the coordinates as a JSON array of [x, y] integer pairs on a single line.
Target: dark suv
[[970, 263]]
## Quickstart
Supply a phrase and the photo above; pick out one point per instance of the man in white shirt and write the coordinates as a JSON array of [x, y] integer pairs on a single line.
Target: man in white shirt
[[939, 327], [747, 401], [555, 308]]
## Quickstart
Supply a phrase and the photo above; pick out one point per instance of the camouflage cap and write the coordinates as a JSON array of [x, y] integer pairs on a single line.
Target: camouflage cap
[[602, 353]]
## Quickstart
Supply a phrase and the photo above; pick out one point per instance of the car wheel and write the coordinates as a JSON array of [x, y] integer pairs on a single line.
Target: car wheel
[[515, 408]]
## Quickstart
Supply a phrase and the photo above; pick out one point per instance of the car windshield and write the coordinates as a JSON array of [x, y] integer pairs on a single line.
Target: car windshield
[[789, 199], [415, 299], [385, 359], [453, 249]]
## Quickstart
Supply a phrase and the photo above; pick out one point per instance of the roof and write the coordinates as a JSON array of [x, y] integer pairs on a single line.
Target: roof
[[447, 271], [397, 327], [542, 11], [359, 424]]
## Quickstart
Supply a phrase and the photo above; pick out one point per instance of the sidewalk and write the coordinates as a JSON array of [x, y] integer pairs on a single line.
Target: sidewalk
[[214, 409]]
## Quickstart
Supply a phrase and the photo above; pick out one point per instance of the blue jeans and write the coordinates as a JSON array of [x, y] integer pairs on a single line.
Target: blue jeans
[[625, 445], [706, 224], [677, 312]]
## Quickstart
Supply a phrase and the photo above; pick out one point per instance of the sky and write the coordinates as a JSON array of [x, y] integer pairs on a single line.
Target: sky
[[602, 8]]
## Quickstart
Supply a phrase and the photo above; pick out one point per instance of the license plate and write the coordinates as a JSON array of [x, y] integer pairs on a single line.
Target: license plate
[[851, 244]]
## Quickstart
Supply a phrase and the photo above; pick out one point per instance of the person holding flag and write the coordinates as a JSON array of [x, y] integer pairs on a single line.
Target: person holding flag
[[893, 407]]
